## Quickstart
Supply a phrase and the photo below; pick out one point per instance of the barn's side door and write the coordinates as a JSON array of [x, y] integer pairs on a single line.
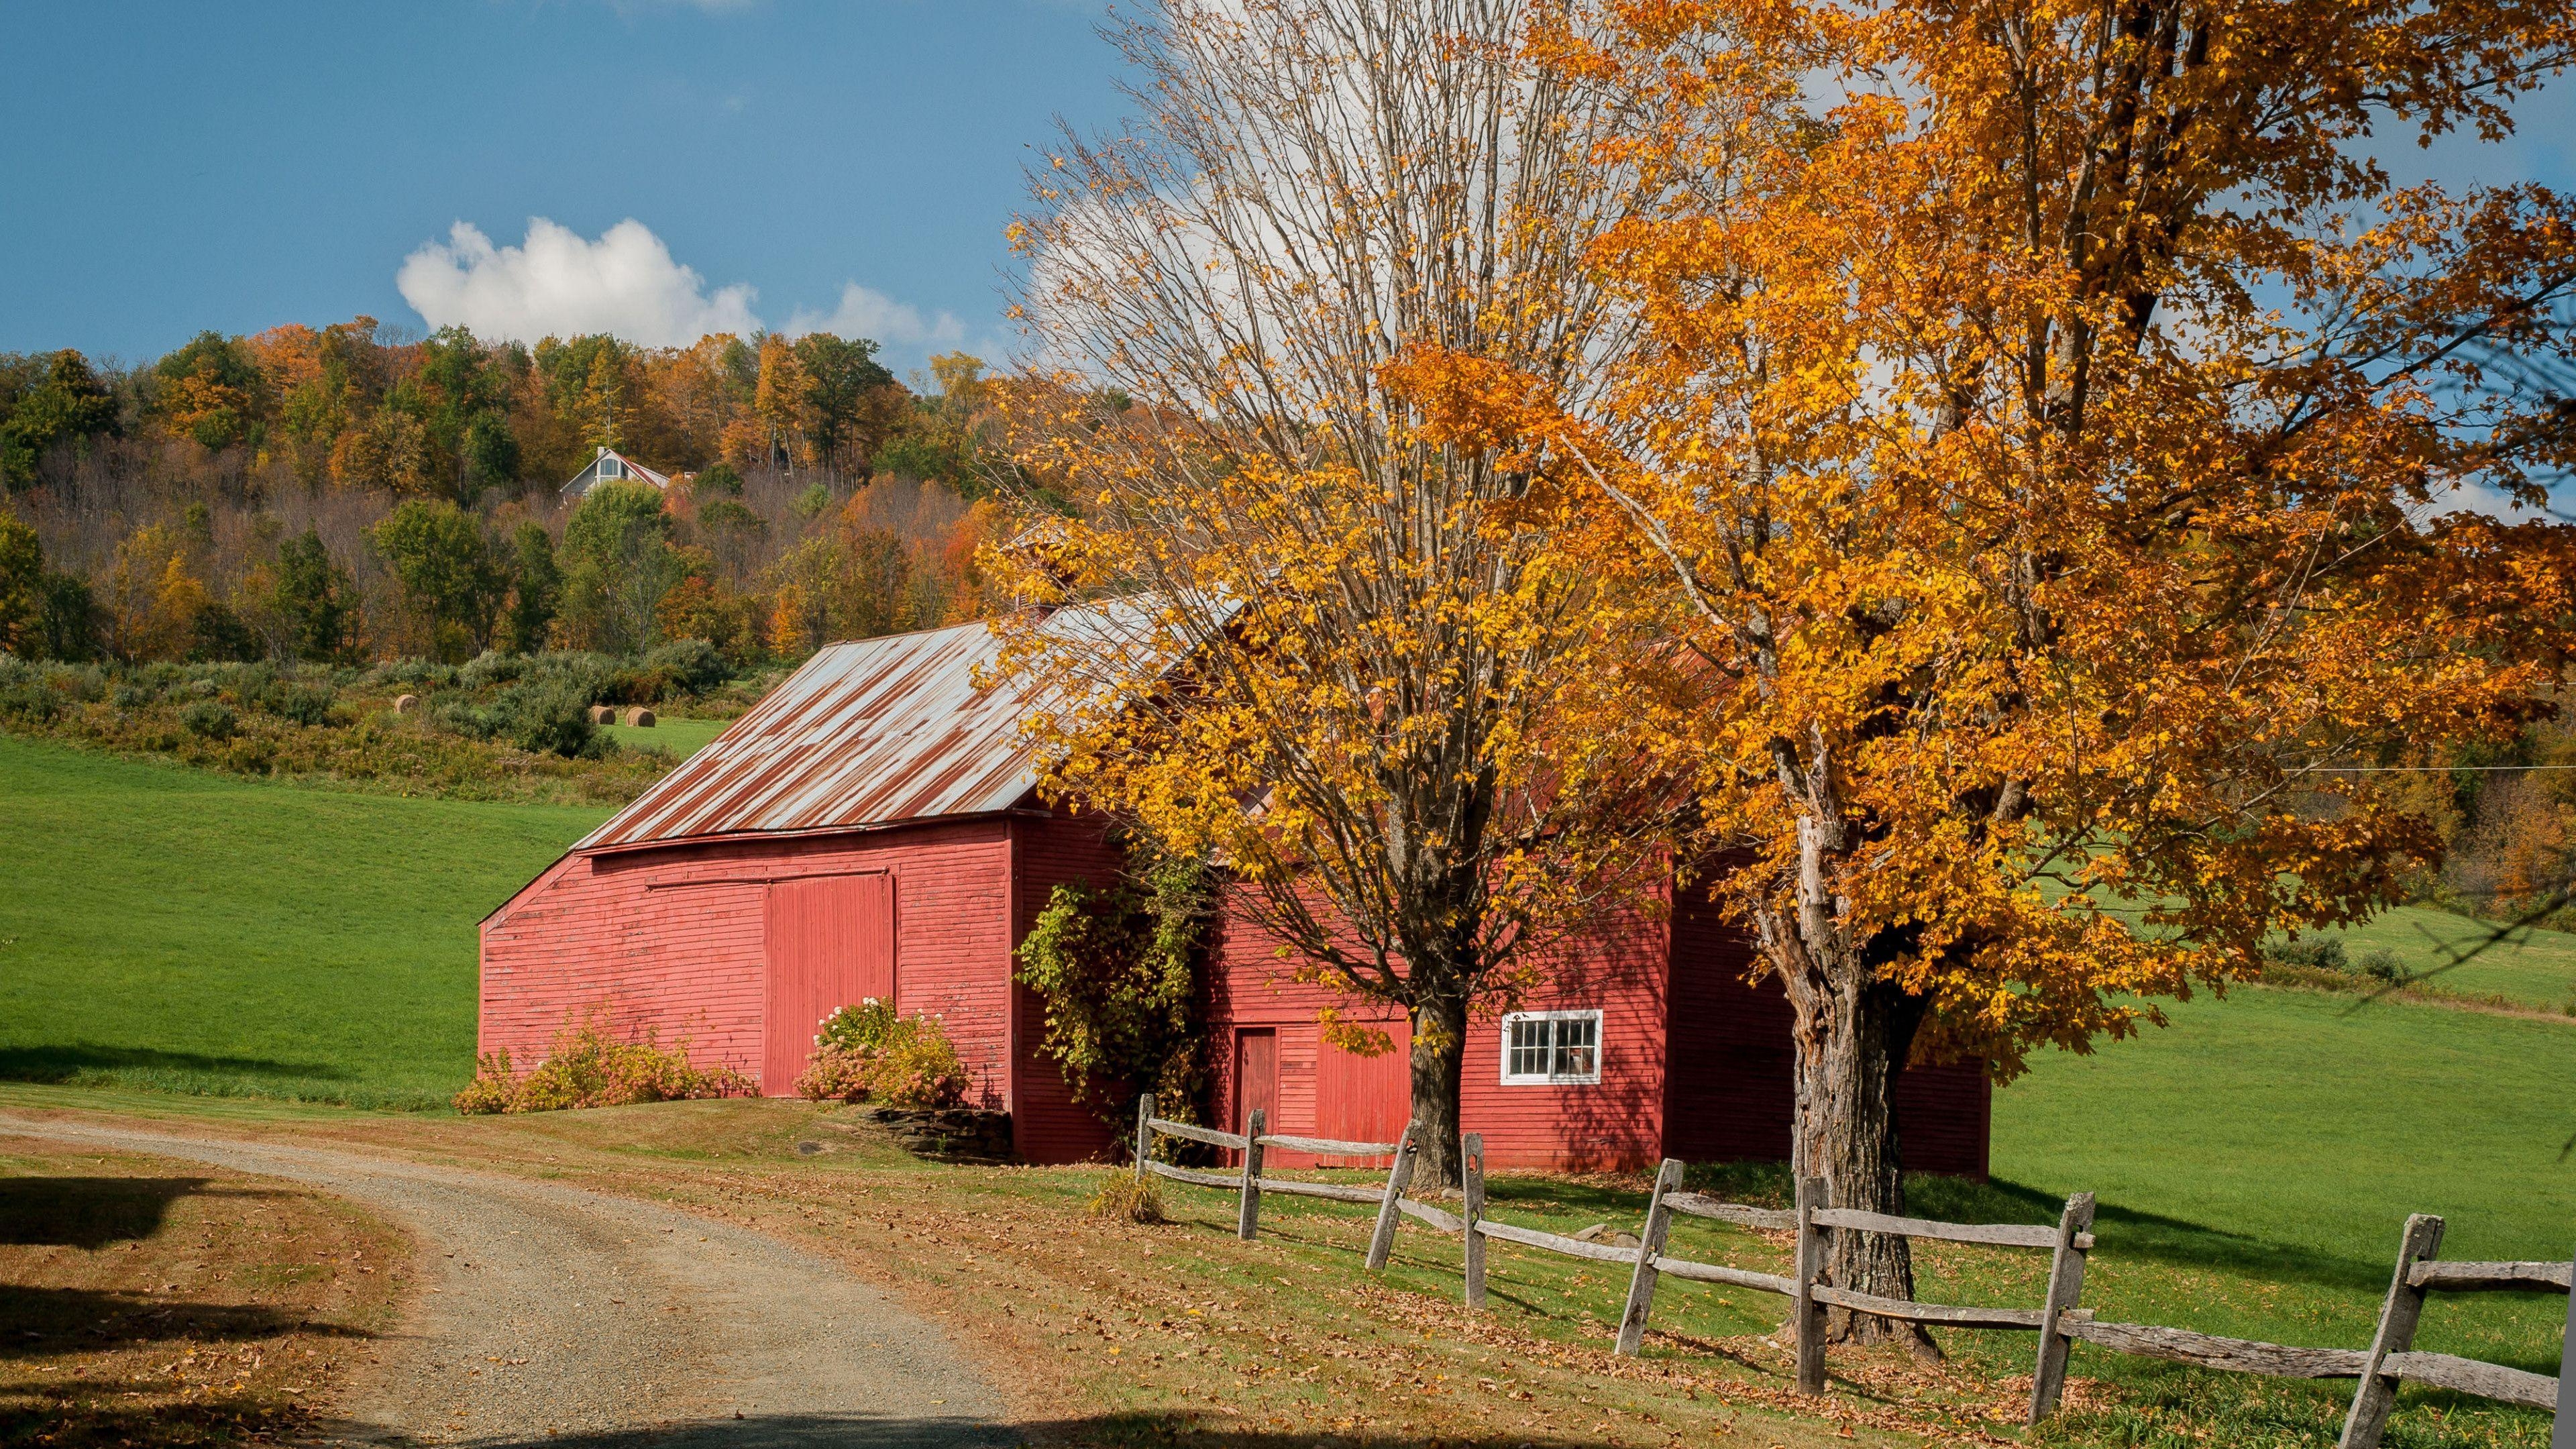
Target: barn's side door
[[1256, 1077], [830, 944]]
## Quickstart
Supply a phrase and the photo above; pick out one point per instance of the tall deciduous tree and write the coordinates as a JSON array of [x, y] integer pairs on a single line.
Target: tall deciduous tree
[[63, 401], [2054, 433], [448, 573], [315, 598], [618, 563], [1375, 633], [536, 589]]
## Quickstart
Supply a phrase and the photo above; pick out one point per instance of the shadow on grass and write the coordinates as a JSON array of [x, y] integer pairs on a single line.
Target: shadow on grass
[[817, 1431], [66, 1063], [45, 1321], [2123, 1233], [92, 1212]]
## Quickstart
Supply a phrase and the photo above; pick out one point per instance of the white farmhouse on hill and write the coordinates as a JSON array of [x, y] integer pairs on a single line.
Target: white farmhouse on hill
[[612, 466]]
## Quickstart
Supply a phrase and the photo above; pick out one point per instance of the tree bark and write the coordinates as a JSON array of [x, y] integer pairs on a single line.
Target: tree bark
[[1852, 1038], [1439, 1064]]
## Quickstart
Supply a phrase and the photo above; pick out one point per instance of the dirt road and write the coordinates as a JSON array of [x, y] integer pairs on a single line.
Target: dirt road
[[550, 1314]]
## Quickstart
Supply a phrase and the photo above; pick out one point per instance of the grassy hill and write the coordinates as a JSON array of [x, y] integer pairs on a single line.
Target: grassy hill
[[2533, 968], [170, 928]]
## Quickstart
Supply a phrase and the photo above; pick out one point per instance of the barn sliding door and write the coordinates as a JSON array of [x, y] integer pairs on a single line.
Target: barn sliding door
[[830, 945]]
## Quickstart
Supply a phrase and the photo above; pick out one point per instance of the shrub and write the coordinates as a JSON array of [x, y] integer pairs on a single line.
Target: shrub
[[692, 664], [866, 1052], [489, 668], [2315, 953], [833, 1074], [210, 719], [2382, 964], [586, 1067], [1119, 970], [302, 704], [918, 1067], [540, 715], [549, 715], [1128, 1198]]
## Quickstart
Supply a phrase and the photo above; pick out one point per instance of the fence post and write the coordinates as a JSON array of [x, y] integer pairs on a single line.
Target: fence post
[[1398, 1177], [2065, 1286], [1806, 1314], [1144, 1133], [2562, 1431], [1650, 1241], [2397, 1318], [1247, 1222], [1471, 1168]]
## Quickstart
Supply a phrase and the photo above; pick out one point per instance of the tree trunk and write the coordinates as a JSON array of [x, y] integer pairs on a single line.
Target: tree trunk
[[1439, 1061], [1852, 1041]]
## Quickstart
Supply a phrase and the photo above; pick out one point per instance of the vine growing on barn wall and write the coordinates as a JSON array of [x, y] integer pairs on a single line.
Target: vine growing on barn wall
[[1119, 969]]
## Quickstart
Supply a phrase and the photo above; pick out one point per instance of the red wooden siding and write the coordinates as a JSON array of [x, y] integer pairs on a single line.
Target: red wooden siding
[[1365, 1099], [1733, 1091], [1618, 969], [830, 944], [1047, 852], [675, 939]]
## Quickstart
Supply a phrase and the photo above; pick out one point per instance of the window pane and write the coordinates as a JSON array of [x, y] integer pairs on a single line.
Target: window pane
[[1529, 1048], [1577, 1041]]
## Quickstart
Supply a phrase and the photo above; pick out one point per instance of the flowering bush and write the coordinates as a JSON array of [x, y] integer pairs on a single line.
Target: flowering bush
[[868, 1052], [588, 1068]]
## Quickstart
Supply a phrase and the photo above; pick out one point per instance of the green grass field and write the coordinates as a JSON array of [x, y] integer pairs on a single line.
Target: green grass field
[[2534, 968], [679, 738], [170, 928]]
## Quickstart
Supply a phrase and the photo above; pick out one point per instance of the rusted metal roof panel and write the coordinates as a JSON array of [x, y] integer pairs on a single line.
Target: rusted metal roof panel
[[869, 733]]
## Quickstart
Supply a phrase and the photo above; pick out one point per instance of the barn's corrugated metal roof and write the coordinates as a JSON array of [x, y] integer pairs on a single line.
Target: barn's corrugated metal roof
[[866, 733]]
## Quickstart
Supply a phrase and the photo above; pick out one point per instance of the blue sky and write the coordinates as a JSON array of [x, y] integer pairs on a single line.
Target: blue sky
[[176, 167]]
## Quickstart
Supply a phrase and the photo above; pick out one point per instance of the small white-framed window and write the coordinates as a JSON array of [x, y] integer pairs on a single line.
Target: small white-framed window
[[1540, 1047], [612, 468]]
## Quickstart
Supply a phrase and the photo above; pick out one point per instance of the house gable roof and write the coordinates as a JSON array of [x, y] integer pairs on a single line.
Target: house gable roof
[[589, 477]]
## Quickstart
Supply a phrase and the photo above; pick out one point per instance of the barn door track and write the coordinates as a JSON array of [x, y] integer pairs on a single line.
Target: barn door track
[[547, 1314]]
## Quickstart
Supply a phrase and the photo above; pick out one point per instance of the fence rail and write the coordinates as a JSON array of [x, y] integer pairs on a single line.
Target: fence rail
[[1249, 1183], [2058, 1321]]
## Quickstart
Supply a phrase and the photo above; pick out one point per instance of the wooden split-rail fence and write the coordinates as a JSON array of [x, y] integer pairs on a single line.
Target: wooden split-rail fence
[[2059, 1320], [1391, 1203]]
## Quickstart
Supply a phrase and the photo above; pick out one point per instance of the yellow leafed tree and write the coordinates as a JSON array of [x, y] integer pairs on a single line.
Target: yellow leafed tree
[[2053, 439], [1371, 634]]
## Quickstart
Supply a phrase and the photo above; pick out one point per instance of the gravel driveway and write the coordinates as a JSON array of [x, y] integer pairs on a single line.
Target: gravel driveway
[[550, 1314]]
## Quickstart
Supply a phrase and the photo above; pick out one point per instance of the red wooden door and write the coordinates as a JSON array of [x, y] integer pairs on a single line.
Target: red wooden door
[[830, 944], [1256, 1078], [1365, 1099]]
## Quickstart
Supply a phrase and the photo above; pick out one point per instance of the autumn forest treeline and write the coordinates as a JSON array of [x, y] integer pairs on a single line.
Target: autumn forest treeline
[[344, 494]]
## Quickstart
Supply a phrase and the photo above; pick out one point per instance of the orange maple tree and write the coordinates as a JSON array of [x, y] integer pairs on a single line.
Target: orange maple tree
[[2054, 432]]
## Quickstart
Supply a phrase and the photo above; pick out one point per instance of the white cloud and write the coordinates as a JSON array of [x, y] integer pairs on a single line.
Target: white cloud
[[866, 312], [557, 284]]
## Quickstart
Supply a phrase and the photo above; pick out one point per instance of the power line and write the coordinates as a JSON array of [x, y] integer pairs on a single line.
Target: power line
[[2418, 769]]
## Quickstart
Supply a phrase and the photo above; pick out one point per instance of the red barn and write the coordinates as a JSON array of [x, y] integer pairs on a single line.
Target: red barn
[[872, 828]]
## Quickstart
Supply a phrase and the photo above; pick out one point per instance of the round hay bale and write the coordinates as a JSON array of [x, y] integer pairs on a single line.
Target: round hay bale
[[602, 714], [406, 703], [640, 717]]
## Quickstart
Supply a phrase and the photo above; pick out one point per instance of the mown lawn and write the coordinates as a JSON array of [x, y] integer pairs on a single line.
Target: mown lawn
[[169, 928]]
